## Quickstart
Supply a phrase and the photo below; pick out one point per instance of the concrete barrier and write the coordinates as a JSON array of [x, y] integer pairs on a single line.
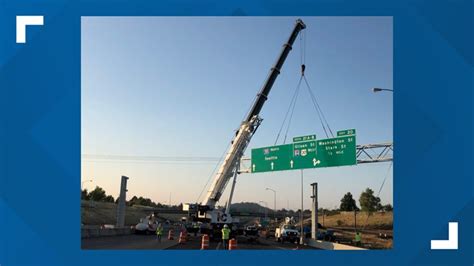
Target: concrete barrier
[[330, 245], [98, 232]]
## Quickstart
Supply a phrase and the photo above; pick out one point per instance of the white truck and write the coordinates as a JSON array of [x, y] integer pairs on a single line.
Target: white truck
[[147, 225], [287, 231]]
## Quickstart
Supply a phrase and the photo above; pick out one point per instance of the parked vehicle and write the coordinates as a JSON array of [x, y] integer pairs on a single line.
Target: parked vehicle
[[251, 233], [287, 231], [147, 225]]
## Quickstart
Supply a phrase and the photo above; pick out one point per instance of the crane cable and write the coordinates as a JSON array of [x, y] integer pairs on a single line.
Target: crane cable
[[318, 109], [291, 107], [292, 111]]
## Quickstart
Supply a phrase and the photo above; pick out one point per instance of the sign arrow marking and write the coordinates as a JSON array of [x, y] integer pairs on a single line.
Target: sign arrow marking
[[316, 162]]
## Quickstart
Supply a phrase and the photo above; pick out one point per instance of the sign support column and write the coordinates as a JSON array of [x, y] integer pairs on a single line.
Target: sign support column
[[314, 212], [301, 214], [122, 202]]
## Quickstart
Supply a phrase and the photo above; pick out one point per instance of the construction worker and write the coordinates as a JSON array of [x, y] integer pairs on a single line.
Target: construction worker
[[196, 228], [159, 232], [358, 239], [225, 235]]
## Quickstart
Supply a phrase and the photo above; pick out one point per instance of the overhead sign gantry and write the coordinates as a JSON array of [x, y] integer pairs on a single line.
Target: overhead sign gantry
[[307, 152]]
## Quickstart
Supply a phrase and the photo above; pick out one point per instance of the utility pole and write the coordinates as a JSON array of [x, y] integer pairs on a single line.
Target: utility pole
[[274, 202], [355, 220], [121, 202], [324, 212]]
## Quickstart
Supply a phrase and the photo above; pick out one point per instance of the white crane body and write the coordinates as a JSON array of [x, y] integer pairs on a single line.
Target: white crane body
[[207, 211]]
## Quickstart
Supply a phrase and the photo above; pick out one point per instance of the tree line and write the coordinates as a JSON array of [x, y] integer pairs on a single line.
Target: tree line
[[99, 194], [367, 200]]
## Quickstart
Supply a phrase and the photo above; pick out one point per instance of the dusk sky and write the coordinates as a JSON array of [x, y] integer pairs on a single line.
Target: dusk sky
[[180, 87]]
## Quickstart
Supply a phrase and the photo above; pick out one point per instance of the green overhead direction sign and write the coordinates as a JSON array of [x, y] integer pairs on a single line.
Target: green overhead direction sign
[[312, 153], [274, 158], [340, 151]]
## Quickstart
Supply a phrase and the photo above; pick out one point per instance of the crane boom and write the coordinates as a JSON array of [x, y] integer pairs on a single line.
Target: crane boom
[[248, 127], [275, 70]]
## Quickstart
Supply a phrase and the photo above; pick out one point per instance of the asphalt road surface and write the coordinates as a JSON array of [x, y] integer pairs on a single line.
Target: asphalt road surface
[[127, 242], [194, 243], [242, 244]]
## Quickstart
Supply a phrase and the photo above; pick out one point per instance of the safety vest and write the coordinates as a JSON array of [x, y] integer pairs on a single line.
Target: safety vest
[[358, 237], [159, 231], [225, 233]]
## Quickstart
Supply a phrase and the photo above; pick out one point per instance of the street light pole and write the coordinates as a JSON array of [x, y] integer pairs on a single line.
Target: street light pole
[[380, 89], [274, 201], [90, 180]]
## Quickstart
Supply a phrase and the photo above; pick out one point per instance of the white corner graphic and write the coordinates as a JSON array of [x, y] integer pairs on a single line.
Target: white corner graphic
[[22, 22], [451, 243]]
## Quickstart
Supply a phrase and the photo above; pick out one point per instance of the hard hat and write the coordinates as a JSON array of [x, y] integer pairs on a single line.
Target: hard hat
[[226, 226]]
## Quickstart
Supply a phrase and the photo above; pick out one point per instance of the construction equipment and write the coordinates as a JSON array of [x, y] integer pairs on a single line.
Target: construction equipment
[[207, 212]]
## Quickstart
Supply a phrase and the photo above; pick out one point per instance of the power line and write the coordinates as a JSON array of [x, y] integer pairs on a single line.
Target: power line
[[213, 172], [141, 158], [380, 189]]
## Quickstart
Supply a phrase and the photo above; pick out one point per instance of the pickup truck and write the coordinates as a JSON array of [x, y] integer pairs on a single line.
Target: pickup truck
[[287, 232], [251, 233]]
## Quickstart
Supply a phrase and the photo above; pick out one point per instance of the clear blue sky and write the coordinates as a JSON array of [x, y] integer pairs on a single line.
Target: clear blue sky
[[180, 86]]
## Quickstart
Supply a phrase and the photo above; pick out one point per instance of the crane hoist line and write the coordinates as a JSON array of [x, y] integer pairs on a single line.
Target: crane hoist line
[[206, 211]]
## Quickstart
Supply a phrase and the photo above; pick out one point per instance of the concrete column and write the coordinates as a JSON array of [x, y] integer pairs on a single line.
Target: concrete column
[[122, 202], [314, 211]]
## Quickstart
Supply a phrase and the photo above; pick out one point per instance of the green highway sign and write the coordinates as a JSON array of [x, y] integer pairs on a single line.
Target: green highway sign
[[346, 132], [274, 158], [304, 138], [339, 151], [304, 155]]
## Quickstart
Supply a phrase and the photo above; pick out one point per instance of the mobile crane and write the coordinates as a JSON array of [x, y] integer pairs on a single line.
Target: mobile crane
[[206, 212]]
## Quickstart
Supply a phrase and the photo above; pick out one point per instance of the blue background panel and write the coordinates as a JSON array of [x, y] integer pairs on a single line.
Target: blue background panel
[[40, 131]]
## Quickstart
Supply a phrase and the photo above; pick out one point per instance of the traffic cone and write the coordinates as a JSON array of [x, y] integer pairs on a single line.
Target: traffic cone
[[205, 242], [182, 238], [170, 234], [232, 244]]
